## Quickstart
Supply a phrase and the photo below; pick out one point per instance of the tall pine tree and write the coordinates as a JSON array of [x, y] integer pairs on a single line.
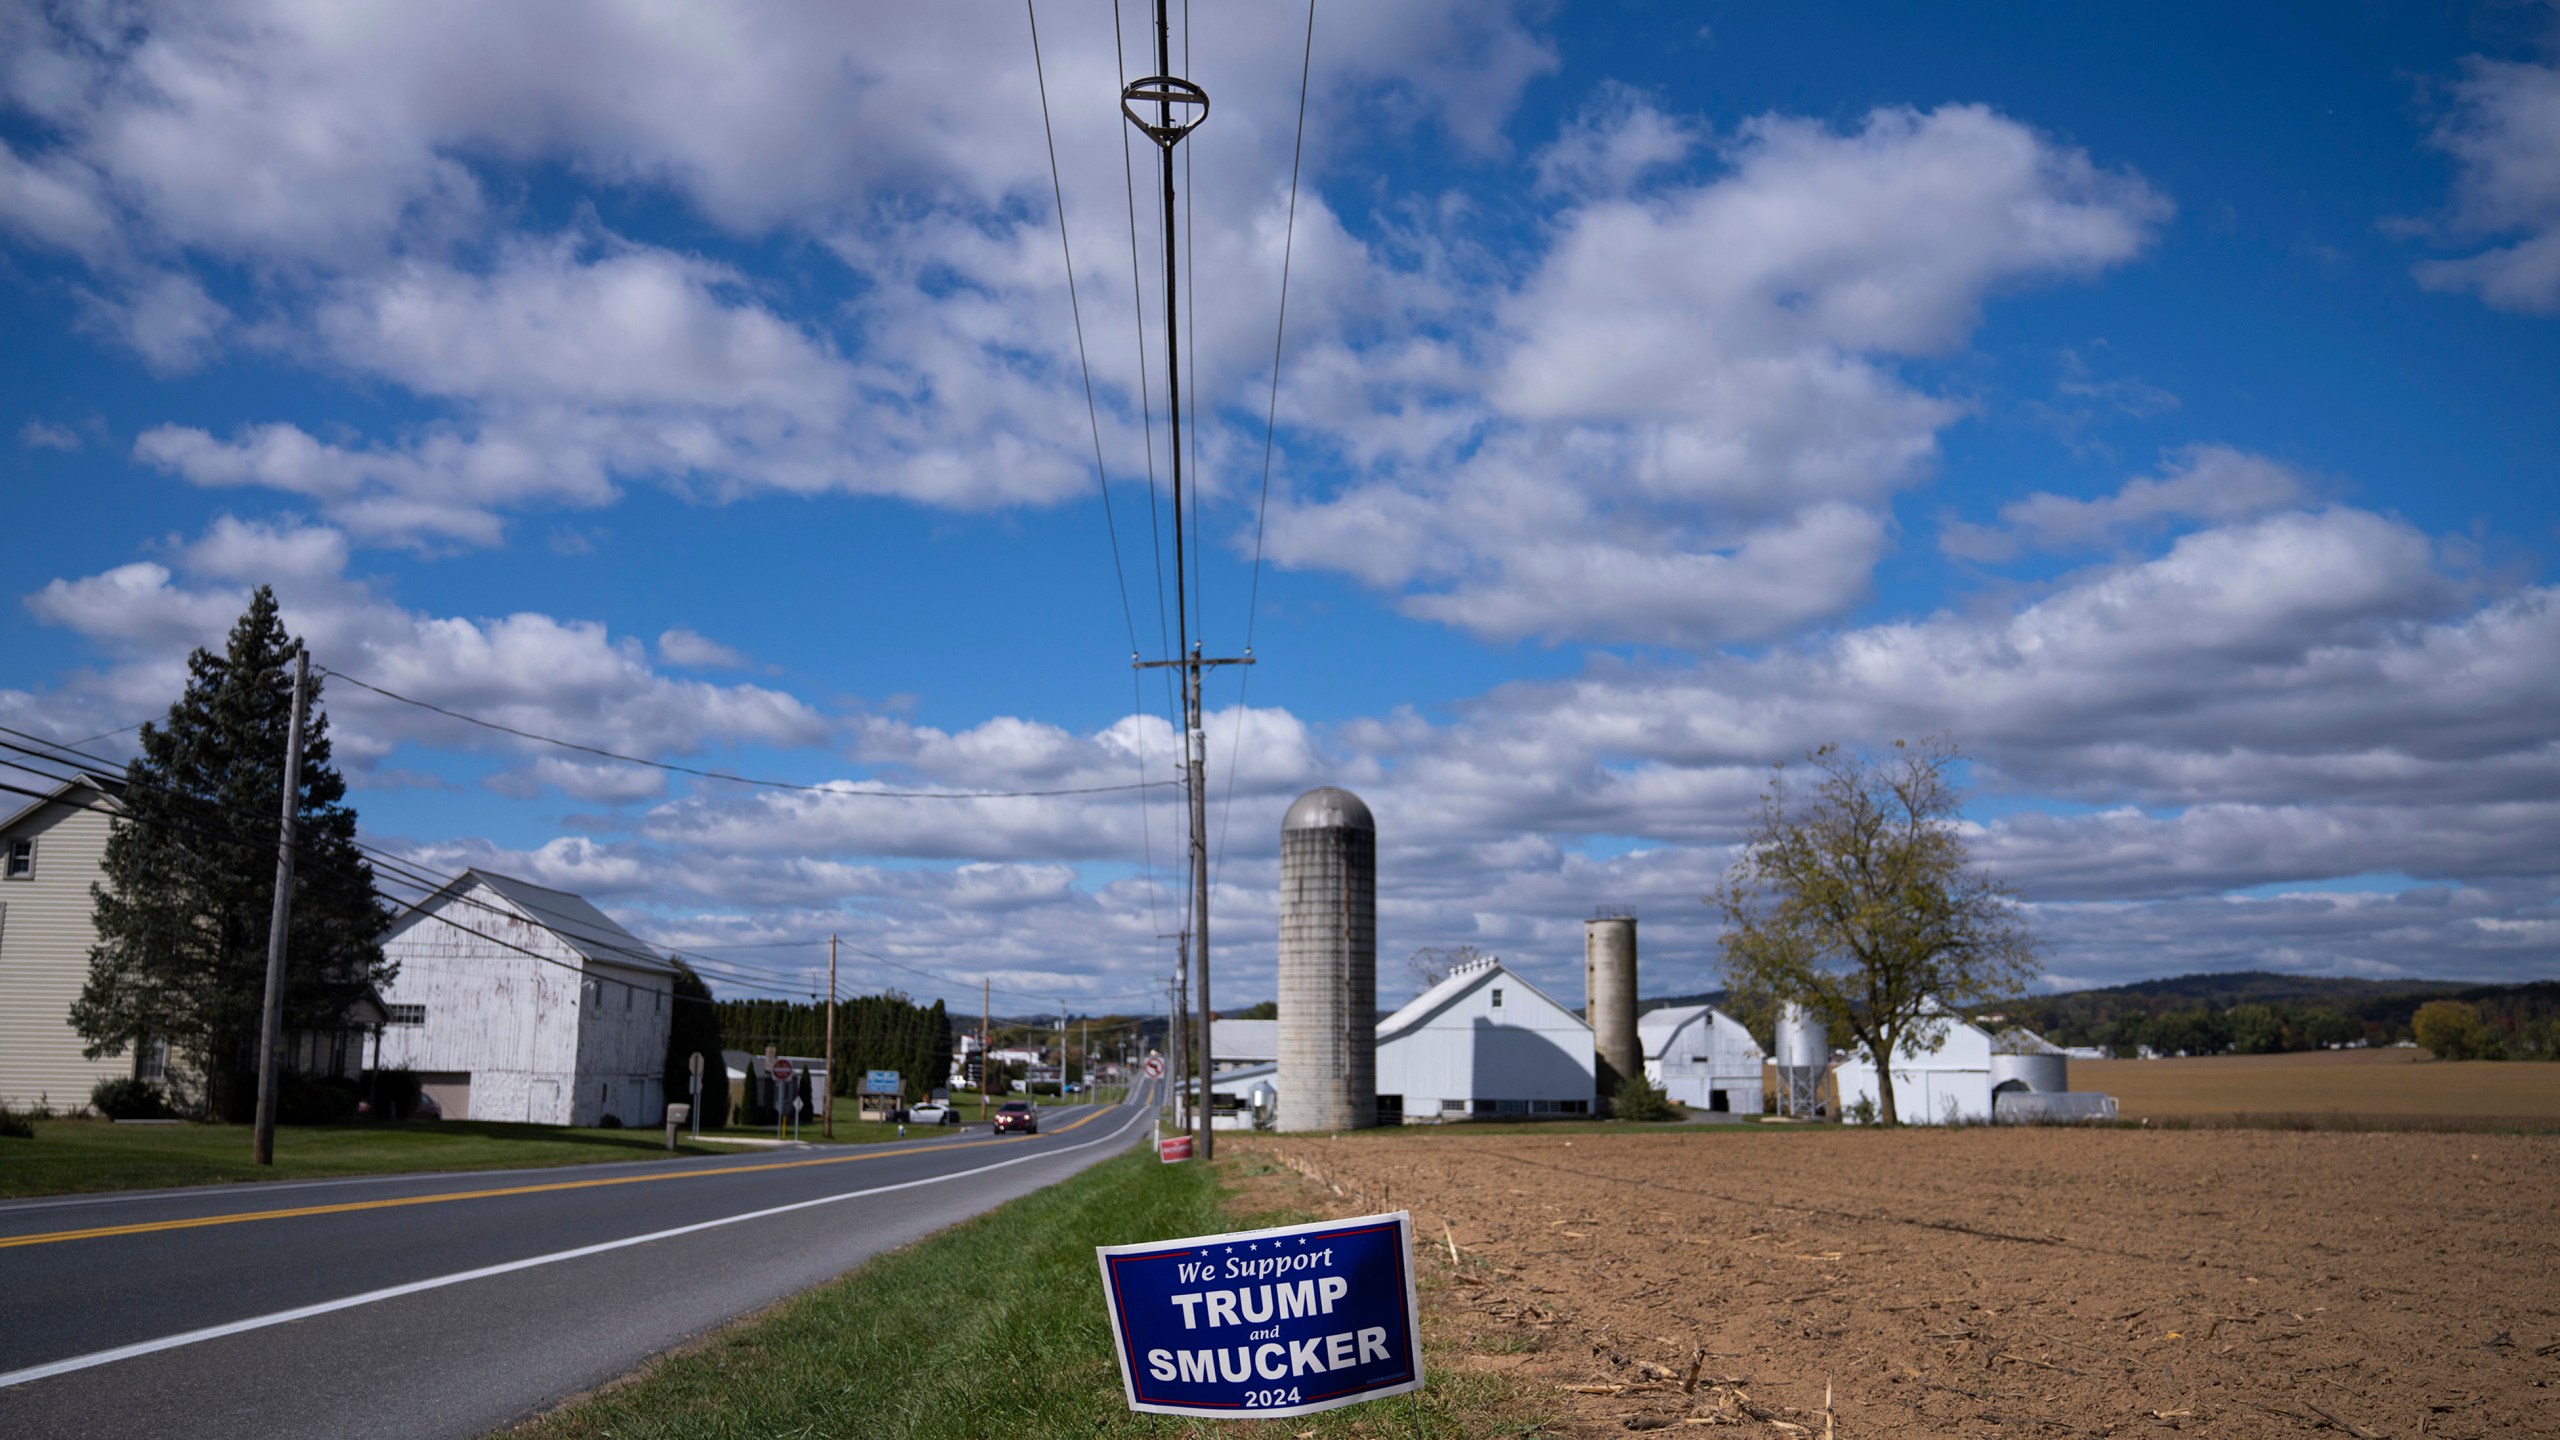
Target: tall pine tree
[[184, 911]]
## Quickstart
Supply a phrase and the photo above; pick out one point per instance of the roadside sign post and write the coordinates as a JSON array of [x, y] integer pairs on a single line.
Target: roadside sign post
[[1266, 1323], [786, 1106], [694, 1063]]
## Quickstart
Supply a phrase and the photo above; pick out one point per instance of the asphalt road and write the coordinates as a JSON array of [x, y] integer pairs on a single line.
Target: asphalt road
[[450, 1305]]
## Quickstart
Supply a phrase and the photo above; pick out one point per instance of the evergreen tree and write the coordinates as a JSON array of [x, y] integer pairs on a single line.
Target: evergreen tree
[[695, 1030], [184, 911]]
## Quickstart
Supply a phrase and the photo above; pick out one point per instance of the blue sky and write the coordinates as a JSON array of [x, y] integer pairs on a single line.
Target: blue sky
[[2158, 402]]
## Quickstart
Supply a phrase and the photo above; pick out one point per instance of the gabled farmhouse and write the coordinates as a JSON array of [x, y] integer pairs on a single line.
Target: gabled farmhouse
[[52, 849], [1702, 1057], [567, 1034]]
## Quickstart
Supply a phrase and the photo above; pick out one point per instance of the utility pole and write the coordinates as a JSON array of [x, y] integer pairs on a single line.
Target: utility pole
[[262, 1143], [986, 1042], [1164, 91], [829, 1098]]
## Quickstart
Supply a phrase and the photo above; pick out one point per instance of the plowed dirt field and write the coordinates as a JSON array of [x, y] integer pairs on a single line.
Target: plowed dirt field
[[1986, 1282]]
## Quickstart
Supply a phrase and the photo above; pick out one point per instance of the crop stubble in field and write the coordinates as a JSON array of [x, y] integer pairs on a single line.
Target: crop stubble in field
[[2241, 1283]]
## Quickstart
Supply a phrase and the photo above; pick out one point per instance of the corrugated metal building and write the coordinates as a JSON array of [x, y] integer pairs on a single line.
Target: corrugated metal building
[[51, 851], [498, 1034], [1702, 1057]]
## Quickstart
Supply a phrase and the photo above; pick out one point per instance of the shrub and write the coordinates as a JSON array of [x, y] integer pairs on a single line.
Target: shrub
[[311, 1100], [610, 1121], [127, 1099], [16, 1126], [1640, 1099], [395, 1093], [1861, 1111]]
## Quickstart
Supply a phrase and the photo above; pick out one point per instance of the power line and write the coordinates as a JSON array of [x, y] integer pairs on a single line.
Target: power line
[[1057, 191], [824, 788], [1270, 430]]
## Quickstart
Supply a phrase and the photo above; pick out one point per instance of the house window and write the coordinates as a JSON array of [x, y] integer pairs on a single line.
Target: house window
[[406, 1014], [1497, 997], [22, 859], [151, 1061]]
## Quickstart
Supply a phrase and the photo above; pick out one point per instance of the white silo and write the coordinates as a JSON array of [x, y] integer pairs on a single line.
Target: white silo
[[1609, 997], [1804, 1052], [1328, 963]]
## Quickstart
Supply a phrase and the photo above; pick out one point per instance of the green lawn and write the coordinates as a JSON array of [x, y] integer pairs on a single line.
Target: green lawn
[[994, 1327], [68, 1156]]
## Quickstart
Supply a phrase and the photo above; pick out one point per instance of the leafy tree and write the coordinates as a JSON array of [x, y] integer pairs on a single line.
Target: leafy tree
[[695, 1030], [2453, 1030], [2256, 1030], [1856, 899], [184, 910]]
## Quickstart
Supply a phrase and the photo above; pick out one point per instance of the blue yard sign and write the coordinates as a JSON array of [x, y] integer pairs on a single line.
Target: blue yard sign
[[1265, 1323]]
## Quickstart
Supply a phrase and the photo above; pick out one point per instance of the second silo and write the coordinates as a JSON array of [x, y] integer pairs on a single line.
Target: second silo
[[1328, 963], [1609, 996]]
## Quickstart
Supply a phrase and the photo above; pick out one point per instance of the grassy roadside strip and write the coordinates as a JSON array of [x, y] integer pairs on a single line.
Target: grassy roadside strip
[[70, 1157], [993, 1327]]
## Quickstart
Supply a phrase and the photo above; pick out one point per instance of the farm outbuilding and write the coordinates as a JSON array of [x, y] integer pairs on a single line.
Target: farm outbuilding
[[1702, 1057], [1481, 1042], [1948, 1083], [517, 1002]]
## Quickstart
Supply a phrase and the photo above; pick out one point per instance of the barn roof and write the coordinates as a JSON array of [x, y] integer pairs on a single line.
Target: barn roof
[[1421, 1008], [586, 930]]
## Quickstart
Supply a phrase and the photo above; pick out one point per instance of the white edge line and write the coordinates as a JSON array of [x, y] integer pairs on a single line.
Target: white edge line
[[394, 1292]]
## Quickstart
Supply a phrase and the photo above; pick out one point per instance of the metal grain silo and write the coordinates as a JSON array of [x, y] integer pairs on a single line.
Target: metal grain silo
[[1609, 997], [2039, 1074], [1804, 1052], [1328, 963]]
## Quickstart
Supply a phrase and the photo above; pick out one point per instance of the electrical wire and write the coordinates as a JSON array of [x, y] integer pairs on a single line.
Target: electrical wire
[[1075, 307], [825, 788], [1270, 430]]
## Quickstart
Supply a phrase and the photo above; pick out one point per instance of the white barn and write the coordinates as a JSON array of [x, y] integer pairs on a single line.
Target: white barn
[[1483, 1042], [1702, 1057], [1947, 1084], [499, 1034]]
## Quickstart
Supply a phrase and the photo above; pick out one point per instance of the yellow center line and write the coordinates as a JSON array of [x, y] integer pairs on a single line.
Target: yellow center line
[[244, 1217]]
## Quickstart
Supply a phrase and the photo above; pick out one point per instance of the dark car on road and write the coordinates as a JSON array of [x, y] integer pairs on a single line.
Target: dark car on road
[[1019, 1118]]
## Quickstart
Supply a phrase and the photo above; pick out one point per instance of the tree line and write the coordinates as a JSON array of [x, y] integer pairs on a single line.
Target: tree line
[[873, 1032], [2520, 1022]]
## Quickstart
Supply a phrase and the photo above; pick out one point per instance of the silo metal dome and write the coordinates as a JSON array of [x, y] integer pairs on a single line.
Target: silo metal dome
[[1329, 807]]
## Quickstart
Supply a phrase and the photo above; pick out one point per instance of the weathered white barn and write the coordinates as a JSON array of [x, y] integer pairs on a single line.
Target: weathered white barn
[[567, 1034], [1481, 1042], [1702, 1057], [1948, 1083], [1234, 1044]]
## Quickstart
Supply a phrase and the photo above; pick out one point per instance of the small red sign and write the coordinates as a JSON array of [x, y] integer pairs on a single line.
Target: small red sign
[[782, 1071], [1155, 1067], [1174, 1149]]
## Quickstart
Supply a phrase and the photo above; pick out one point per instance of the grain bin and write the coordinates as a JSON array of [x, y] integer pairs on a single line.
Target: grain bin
[[1804, 1052], [2038, 1074], [1328, 963], [1609, 996]]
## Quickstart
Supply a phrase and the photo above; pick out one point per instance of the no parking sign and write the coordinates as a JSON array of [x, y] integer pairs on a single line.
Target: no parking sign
[[1266, 1323]]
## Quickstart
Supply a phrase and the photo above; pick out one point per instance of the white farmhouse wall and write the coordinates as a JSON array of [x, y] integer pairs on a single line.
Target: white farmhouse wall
[[46, 930]]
